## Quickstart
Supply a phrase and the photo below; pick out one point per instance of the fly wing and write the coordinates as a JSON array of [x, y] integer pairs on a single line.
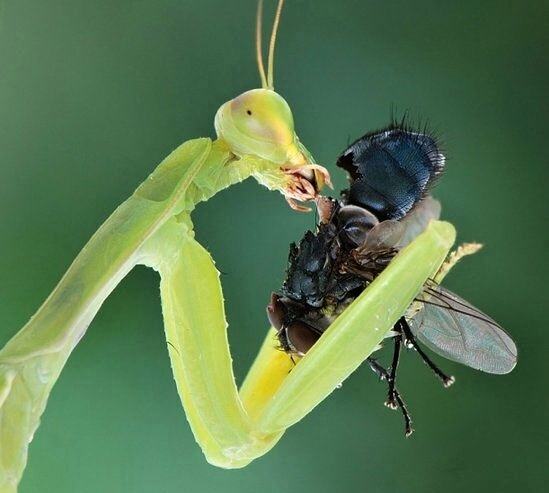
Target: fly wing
[[392, 234], [455, 329], [383, 236], [418, 218]]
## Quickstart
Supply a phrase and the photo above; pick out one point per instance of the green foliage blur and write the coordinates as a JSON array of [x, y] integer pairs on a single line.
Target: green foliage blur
[[93, 94]]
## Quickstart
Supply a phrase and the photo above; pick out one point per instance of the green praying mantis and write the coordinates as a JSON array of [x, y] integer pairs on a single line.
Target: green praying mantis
[[153, 227]]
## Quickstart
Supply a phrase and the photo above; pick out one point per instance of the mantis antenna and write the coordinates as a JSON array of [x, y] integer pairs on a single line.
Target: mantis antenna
[[266, 80], [270, 61], [258, 47]]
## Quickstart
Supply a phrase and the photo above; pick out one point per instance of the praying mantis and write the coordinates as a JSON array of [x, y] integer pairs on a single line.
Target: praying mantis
[[153, 227]]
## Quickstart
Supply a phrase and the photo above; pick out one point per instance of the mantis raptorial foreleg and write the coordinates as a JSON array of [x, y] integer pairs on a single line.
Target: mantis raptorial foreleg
[[153, 227]]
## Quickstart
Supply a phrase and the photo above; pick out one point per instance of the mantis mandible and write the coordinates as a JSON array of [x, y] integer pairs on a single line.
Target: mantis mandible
[[153, 227]]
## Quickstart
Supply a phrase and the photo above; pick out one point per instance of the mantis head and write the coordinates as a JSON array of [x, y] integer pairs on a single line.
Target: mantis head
[[259, 123]]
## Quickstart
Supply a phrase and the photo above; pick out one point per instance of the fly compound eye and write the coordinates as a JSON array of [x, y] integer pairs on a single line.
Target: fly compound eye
[[276, 311], [355, 223], [301, 337]]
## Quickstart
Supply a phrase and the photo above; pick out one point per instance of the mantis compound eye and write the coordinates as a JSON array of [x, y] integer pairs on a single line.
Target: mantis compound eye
[[301, 336]]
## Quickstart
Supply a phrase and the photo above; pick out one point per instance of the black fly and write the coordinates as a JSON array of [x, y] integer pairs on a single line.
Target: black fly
[[385, 207]]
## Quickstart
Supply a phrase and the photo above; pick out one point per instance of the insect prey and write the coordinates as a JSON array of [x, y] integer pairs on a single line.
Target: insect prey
[[387, 204]]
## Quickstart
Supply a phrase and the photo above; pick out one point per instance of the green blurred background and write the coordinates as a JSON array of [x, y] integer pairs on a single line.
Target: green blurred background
[[93, 94]]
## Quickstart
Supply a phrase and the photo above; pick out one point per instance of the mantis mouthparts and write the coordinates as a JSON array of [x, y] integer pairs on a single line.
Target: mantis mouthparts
[[305, 184]]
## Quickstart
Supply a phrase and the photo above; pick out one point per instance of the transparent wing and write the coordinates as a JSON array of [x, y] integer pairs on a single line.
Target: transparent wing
[[418, 218], [392, 234], [383, 236], [455, 329]]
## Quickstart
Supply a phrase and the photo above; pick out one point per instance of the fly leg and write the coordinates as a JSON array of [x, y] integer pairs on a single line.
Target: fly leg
[[391, 402], [411, 342], [383, 374], [293, 362]]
